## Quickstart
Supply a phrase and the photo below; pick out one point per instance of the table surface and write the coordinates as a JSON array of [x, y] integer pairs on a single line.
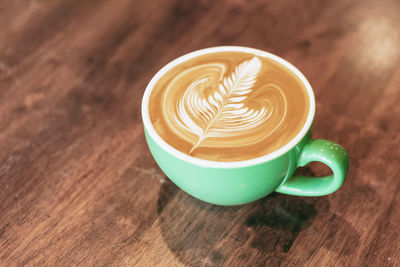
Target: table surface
[[78, 185]]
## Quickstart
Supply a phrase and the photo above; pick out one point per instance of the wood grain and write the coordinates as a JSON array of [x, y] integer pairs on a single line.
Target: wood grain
[[78, 185]]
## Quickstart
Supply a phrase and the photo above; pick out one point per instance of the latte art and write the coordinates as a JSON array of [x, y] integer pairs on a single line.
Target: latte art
[[223, 113], [228, 106]]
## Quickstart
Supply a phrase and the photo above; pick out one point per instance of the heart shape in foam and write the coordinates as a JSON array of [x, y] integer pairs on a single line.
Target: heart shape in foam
[[215, 104]]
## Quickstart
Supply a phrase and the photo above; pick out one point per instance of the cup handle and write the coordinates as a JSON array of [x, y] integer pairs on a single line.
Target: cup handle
[[328, 153]]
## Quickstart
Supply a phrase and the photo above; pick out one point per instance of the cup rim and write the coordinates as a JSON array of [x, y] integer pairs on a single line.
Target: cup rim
[[226, 164]]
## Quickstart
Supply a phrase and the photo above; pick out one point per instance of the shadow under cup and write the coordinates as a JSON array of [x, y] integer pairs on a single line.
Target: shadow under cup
[[240, 182]]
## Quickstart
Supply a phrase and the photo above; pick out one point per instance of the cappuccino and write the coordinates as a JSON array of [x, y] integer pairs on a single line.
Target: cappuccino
[[228, 106]]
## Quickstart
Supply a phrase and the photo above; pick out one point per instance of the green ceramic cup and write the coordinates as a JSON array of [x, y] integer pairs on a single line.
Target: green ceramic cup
[[234, 183]]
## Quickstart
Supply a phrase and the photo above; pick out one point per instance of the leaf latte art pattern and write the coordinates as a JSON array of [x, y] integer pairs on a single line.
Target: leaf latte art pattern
[[222, 111]]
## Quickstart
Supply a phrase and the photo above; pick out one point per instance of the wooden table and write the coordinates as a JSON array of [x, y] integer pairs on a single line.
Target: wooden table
[[78, 185]]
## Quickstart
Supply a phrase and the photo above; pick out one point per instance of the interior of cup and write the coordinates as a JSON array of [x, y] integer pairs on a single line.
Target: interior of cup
[[231, 164]]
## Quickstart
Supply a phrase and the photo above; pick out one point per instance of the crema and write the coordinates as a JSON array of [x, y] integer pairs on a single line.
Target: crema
[[228, 106]]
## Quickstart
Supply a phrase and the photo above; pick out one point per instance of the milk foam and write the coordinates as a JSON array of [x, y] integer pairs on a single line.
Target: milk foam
[[224, 108]]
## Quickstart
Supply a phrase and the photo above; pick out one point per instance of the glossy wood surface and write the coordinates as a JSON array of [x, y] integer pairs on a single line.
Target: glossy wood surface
[[78, 185]]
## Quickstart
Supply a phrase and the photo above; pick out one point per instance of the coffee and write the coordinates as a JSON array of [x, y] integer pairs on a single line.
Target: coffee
[[228, 106]]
